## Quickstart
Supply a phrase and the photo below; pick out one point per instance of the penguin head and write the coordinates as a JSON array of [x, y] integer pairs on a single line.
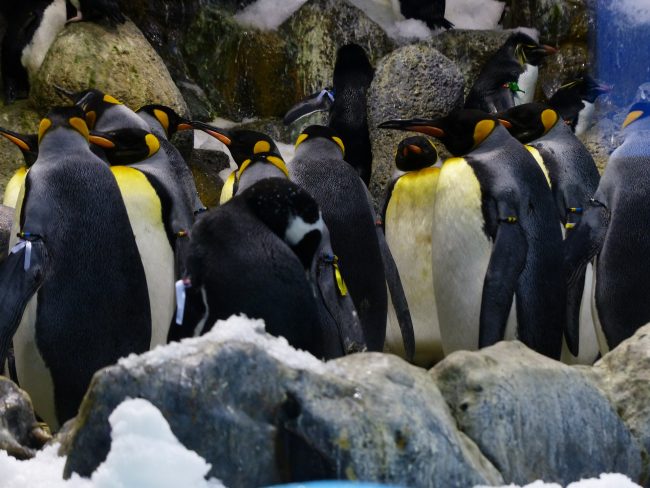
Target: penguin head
[[93, 102], [527, 50], [27, 143], [63, 117], [168, 118], [528, 121], [461, 131], [321, 133], [638, 118], [352, 63], [585, 87], [415, 153], [289, 212], [126, 146], [246, 146]]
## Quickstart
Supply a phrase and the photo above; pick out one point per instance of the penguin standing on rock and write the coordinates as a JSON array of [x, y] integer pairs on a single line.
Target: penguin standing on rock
[[575, 102], [347, 105], [612, 231], [509, 77], [275, 230], [407, 217], [495, 237], [74, 289]]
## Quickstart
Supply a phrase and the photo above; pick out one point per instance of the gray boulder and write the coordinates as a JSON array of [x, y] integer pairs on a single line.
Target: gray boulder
[[625, 376], [262, 413], [412, 81], [20, 434], [535, 418]]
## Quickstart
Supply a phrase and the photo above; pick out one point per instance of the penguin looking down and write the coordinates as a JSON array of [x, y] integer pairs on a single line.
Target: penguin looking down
[[274, 230], [432, 12], [32, 26], [255, 154], [98, 10], [407, 217], [495, 237], [509, 72], [347, 105], [74, 289], [575, 100], [612, 233]]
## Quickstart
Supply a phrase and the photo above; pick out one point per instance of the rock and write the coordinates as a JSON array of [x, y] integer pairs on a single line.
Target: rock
[[206, 165], [318, 29], [604, 136], [117, 61], [20, 434], [19, 117], [412, 81], [571, 61], [535, 418], [625, 375], [262, 413]]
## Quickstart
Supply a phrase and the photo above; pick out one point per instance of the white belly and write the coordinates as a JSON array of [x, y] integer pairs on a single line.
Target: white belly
[[528, 83], [409, 221], [143, 209], [54, 18], [460, 256], [600, 335], [585, 117]]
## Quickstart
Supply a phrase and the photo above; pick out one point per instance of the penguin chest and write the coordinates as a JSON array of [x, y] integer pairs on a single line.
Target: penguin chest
[[584, 118], [12, 190], [409, 223], [53, 22], [460, 255], [145, 216], [527, 83]]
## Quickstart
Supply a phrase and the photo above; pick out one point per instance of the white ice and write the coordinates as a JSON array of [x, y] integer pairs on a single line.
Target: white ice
[[635, 12], [606, 480]]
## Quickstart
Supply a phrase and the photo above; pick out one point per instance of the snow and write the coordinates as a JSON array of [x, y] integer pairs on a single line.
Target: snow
[[237, 328], [465, 14], [636, 12], [607, 480], [144, 454]]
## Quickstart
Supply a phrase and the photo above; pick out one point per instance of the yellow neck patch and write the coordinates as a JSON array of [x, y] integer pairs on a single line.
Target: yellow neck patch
[[261, 147], [152, 143], [91, 118], [79, 125], [301, 139], [163, 118], [549, 118], [274, 160], [43, 128], [340, 143], [112, 100], [631, 117], [483, 129], [228, 188]]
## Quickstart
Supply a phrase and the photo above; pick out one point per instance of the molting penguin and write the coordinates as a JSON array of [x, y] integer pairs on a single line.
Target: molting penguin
[[319, 168], [98, 10], [495, 235], [509, 72], [347, 106], [574, 178], [574, 102], [32, 26], [612, 231], [432, 12], [274, 230], [74, 289], [407, 217]]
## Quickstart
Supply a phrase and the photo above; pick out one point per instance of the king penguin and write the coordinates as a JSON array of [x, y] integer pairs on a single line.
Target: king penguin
[[347, 105], [574, 178], [32, 26], [508, 77], [74, 289], [575, 101], [611, 233], [407, 217], [275, 230], [495, 235]]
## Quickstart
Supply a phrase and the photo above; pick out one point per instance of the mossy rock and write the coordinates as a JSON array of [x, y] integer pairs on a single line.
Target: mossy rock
[[118, 61]]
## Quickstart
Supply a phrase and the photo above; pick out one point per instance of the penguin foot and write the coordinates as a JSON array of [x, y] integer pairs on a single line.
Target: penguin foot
[[77, 18], [41, 433]]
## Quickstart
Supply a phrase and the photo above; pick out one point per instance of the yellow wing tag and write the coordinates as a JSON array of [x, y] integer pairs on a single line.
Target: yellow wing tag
[[343, 289]]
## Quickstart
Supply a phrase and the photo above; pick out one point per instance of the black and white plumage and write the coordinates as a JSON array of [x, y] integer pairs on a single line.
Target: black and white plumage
[[432, 12], [575, 101]]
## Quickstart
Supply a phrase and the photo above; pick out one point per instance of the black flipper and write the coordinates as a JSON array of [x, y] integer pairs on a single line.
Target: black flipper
[[396, 290], [506, 263], [581, 245], [316, 102], [21, 275], [336, 299]]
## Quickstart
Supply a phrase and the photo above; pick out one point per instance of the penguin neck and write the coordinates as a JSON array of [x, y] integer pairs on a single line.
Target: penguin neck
[[258, 171], [119, 117], [319, 147], [558, 130], [59, 138], [154, 124], [494, 140]]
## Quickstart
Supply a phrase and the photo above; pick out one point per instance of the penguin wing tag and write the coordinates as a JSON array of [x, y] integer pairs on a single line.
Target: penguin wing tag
[[316, 102], [181, 285], [343, 289], [19, 283], [27, 246]]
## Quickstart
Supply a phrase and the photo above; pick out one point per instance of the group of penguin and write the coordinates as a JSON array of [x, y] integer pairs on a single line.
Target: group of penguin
[[112, 252]]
